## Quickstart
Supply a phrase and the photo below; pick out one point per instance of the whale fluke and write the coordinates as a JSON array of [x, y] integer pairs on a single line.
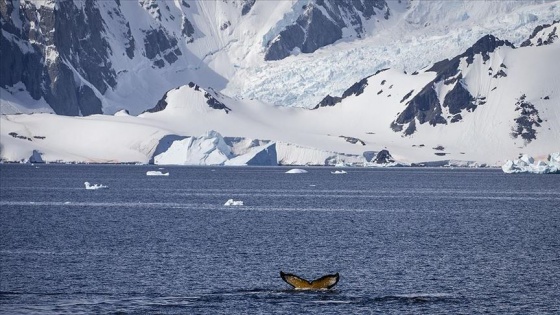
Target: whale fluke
[[325, 282]]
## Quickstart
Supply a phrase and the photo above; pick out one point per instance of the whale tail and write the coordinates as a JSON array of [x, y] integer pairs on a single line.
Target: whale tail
[[298, 283]]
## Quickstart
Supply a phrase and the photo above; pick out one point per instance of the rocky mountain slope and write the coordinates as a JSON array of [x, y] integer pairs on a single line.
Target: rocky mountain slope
[[477, 81]]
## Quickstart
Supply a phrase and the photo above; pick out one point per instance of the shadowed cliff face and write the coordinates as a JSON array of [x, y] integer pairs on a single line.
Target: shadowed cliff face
[[51, 49], [321, 24], [61, 52]]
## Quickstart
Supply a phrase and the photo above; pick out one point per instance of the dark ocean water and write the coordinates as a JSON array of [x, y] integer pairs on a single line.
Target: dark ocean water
[[405, 241]]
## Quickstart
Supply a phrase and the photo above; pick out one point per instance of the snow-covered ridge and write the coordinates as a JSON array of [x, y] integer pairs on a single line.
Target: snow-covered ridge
[[453, 86], [146, 48]]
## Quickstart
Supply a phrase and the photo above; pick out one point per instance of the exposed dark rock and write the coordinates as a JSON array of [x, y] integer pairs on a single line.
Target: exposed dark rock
[[88, 102], [459, 99], [383, 157], [215, 104], [225, 25], [328, 101], [161, 104], [152, 7], [130, 45], [453, 79], [500, 74], [456, 118], [44, 66], [527, 120], [210, 97], [247, 5], [36, 157], [425, 107], [353, 140], [187, 29], [407, 96], [445, 68], [439, 148], [17, 136], [158, 44], [549, 39], [89, 57], [356, 89], [484, 47]]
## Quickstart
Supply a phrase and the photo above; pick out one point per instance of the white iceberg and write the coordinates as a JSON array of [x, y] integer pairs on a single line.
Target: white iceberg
[[526, 164], [94, 186], [232, 202], [156, 173], [339, 172], [296, 171]]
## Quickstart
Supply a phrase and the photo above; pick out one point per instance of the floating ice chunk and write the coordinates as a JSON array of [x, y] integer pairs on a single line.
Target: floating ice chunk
[[156, 173], [339, 172], [296, 171], [94, 186], [526, 164], [232, 202]]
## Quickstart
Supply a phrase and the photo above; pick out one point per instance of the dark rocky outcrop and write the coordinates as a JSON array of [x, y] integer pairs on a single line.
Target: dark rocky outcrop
[[321, 24], [356, 89], [61, 52], [425, 106], [49, 62], [459, 99], [159, 46], [353, 140], [247, 6], [211, 97], [383, 157], [550, 35], [527, 120]]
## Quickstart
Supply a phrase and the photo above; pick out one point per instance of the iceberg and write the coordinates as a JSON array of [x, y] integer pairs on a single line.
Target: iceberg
[[339, 172], [526, 164], [232, 202], [296, 171], [213, 149], [156, 173], [94, 186]]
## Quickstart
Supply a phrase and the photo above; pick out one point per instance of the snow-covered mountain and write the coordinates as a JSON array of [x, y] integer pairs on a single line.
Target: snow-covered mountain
[[290, 82]]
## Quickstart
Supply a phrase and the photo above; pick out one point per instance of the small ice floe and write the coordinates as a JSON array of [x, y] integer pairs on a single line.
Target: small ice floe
[[339, 172], [157, 173], [232, 202], [296, 171], [526, 164], [94, 186]]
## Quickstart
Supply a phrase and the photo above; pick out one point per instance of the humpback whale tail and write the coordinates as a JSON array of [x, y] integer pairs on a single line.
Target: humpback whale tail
[[325, 282]]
